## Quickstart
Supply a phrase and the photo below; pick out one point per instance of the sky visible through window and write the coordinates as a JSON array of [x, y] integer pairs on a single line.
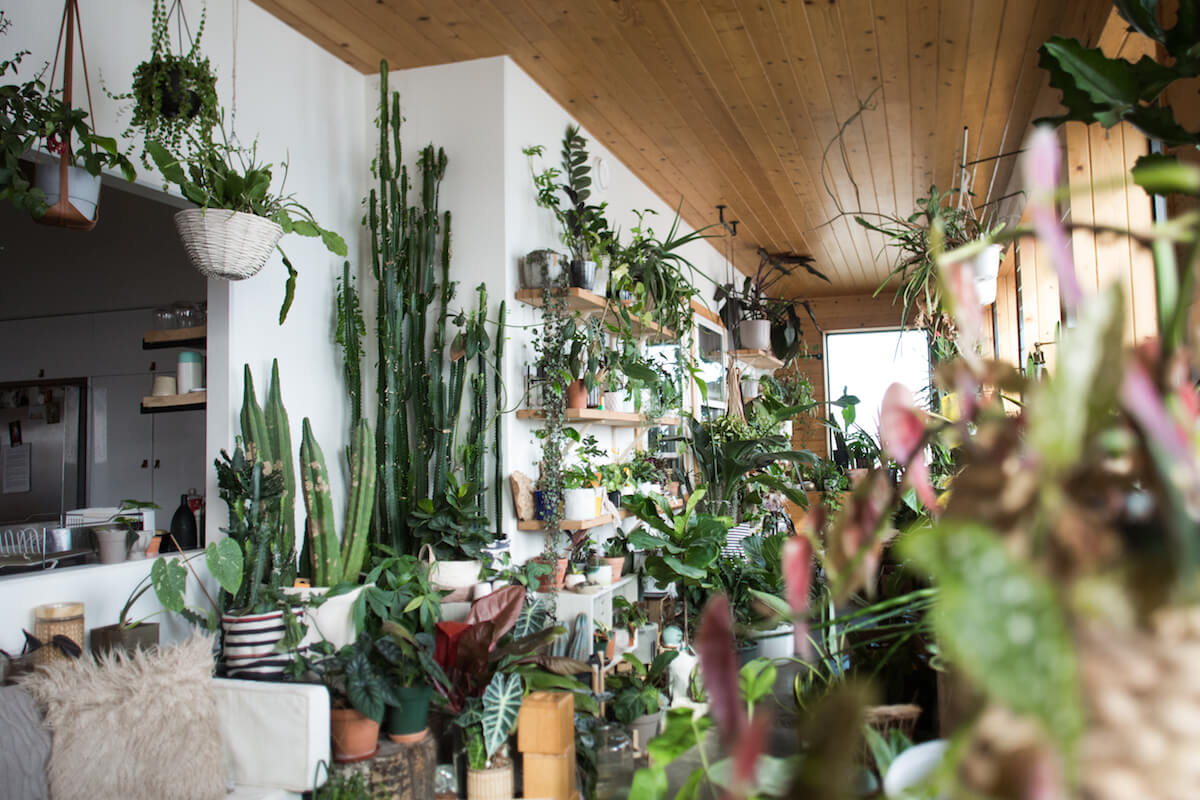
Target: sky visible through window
[[867, 363]]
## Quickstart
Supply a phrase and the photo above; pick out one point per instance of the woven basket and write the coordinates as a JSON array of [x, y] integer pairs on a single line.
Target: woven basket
[[885, 718], [490, 784], [230, 245]]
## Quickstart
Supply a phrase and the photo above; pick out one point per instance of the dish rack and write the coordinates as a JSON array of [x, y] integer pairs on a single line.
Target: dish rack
[[25, 543]]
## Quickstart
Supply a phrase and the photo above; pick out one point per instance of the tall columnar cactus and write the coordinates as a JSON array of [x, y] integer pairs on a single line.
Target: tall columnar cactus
[[268, 440], [338, 560], [350, 330], [497, 451]]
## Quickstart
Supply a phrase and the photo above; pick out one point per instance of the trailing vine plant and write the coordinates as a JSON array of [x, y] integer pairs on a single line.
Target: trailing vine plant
[[557, 327]]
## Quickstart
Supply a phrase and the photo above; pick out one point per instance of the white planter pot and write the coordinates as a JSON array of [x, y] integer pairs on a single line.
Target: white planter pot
[[455, 574], [600, 573], [332, 620], [755, 334], [84, 188], [986, 267], [749, 388], [647, 488], [248, 650], [615, 401], [779, 642], [581, 503], [111, 544], [786, 429], [645, 642]]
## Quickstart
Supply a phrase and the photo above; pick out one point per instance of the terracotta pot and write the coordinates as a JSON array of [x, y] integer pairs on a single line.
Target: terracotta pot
[[617, 563], [555, 580], [490, 784], [354, 737], [576, 394]]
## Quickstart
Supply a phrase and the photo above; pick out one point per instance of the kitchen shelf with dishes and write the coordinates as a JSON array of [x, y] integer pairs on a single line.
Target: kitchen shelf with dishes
[[586, 524], [589, 303], [195, 337]]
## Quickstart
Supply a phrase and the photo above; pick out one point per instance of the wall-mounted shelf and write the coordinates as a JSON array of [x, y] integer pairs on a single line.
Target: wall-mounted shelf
[[589, 303], [586, 524], [174, 402], [615, 419], [175, 337], [758, 359]]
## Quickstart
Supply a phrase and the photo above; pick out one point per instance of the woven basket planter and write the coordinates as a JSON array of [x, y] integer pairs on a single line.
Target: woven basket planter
[[230, 245], [490, 784]]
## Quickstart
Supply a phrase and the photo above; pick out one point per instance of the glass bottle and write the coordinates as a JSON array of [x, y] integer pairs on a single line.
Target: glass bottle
[[614, 762]]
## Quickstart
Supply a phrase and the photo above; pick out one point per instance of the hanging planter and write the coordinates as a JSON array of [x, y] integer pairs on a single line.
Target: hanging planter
[[228, 245]]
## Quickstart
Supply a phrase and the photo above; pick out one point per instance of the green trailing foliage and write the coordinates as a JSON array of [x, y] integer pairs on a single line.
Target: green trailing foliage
[[425, 470], [338, 559]]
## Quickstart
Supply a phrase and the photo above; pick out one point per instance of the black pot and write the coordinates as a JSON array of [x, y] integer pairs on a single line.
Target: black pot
[[112, 638], [583, 275], [174, 94], [615, 498]]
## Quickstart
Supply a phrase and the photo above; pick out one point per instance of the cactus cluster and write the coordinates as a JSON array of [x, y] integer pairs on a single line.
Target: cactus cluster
[[337, 559], [423, 372]]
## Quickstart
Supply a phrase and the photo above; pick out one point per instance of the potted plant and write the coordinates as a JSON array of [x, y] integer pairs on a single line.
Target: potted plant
[[487, 723], [167, 577], [639, 695], [402, 605], [358, 691], [336, 561], [581, 493], [604, 644], [760, 321], [614, 479], [451, 533], [174, 94], [239, 220]]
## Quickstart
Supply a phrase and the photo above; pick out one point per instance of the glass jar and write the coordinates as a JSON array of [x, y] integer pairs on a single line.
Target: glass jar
[[614, 762], [54, 619]]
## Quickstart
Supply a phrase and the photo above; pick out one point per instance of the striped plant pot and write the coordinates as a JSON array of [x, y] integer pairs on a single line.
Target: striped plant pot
[[249, 646]]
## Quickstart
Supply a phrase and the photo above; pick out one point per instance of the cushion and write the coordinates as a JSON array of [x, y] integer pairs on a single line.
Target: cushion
[[135, 727], [24, 747], [275, 734]]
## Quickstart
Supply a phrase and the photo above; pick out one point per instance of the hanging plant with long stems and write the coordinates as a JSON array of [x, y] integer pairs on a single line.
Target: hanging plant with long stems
[[174, 94], [557, 327]]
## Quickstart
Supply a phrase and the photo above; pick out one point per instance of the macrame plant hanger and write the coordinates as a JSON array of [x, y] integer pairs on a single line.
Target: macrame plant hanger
[[63, 213]]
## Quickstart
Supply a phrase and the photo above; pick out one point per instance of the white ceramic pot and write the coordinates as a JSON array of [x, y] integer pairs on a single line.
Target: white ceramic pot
[[749, 388], [138, 551], [647, 488], [913, 766], [111, 545], [755, 334], [455, 574], [333, 619], [573, 579], [786, 429], [986, 266], [531, 268], [482, 589], [614, 401], [84, 188], [581, 503], [600, 573], [248, 649], [622, 640], [778, 642], [646, 642]]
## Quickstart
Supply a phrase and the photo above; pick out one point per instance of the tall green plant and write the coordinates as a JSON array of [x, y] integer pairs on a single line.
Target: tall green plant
[[268, 439], [338, 560], [422, 375], [350, 330]]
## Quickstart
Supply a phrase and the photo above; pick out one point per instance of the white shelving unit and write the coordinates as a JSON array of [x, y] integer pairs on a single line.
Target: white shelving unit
[[595, 606]]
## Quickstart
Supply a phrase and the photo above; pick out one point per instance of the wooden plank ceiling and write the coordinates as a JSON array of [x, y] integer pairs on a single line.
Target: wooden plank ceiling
[[734, 101]]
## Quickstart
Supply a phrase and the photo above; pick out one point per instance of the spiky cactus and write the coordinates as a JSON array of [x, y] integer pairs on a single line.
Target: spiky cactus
[[338, 559], [268, 440]]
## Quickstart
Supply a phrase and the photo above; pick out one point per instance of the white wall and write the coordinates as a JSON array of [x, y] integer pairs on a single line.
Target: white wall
[[304, 105]]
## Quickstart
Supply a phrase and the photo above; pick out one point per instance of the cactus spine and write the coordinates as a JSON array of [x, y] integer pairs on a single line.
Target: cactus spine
[[334, 562]]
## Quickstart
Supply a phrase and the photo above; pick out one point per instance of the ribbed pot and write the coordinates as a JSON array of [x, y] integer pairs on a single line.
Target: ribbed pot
[[490, 784], [410, 717], [755, 334]]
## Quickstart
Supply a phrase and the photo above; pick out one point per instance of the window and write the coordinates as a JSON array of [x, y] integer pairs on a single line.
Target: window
[[865, 364]]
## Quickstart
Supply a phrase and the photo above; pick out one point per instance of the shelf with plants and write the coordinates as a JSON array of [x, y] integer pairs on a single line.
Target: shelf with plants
[[757, 359], [586, 524], [174, 402], [615, 419], [175, 337], [589, 303]]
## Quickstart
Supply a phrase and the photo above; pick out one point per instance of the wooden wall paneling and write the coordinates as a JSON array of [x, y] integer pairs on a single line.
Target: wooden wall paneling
[[922, 72], [1143, 299], [983, 54], [1049, 305], [987, 342], [1006, 316], [1111, 208], [953, 35], [1027, 286], [892, 47], [1079, 187]]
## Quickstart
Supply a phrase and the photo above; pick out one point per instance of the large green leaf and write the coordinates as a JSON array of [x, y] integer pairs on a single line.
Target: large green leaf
[[169, 579], [224, 559], [1001, 623], [680, 734], [501, 704]]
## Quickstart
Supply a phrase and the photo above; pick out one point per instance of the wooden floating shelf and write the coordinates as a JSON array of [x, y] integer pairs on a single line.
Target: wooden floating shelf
[[616, 419], [174, 402], [759, 359], [175, 337], [589, 303], [585, 524]]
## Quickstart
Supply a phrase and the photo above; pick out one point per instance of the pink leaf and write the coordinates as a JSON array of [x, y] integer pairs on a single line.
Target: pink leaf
[[719, 668], [797, 576], [900, 425], [959, 279], [1040, 168], [745, 756]]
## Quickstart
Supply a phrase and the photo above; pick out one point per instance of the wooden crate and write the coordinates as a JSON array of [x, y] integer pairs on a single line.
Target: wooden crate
[[550, 777], [546, 723]]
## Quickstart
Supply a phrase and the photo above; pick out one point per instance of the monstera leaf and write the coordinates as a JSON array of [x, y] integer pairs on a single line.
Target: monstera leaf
[[501, 703]]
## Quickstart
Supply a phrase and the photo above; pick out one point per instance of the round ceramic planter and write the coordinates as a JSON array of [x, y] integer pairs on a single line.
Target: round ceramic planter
[[583, 275], [332, 620], [600, 574], [112, 638], [581, 503], [83, 188], [248, 649], [408, 720], [111, 544], [755, 334], [645, 728], [455, 574], [749, 388], [353, 737], [779, 642]]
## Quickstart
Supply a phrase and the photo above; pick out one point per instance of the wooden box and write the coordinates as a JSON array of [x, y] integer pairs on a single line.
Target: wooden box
[[546, 724], [550, 777]]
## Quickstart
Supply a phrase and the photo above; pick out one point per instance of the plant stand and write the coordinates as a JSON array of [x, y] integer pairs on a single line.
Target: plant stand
[[404, 771]]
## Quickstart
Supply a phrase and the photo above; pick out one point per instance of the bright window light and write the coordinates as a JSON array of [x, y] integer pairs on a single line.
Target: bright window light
[[865, 364]]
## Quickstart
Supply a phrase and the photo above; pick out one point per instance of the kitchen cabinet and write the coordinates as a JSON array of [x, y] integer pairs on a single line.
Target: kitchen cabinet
[[141, 456]]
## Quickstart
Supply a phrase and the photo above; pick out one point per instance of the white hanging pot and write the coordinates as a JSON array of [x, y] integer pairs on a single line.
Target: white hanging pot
[[986, 267], [230, 245], [749, 388], [755, 334], [581, 503], [83, 188]]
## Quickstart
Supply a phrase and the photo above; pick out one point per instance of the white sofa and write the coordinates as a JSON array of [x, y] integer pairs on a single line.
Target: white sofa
[[276, 737]]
